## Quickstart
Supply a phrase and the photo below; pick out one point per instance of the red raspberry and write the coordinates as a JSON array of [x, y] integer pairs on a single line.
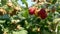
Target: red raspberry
[[31, 11], [42, 13]]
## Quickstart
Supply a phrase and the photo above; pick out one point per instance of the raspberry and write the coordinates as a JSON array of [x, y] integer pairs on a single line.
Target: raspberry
[[42, 13], [31, 11]]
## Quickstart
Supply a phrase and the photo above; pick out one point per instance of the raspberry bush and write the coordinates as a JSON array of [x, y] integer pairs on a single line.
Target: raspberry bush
[[41, 18]]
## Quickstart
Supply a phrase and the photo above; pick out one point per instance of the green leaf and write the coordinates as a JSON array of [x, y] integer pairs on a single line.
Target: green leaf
[[56, 20], [25, 13], [4, 17], [6, 29], [54, 1], [20, 32], [46, 32], [58, 27], [24, 2], [15, 2], [3, 2], [2, 21]]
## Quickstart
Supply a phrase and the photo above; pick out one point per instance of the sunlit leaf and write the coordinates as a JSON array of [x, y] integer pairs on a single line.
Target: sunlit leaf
[[24, 2], [20, 32]]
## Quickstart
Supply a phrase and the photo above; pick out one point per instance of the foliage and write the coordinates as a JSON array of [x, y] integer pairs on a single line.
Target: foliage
[[41, 18]]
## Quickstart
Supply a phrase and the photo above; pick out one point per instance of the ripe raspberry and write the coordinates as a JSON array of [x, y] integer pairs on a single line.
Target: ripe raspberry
[[42, 13], [31, 11]]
